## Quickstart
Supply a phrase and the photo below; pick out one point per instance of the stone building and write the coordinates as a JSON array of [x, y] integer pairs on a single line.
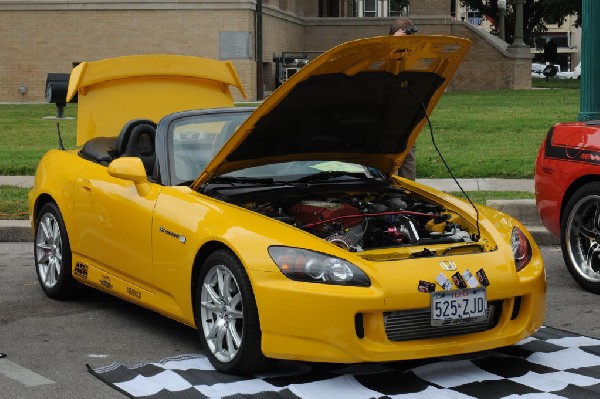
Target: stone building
[[42, 36]]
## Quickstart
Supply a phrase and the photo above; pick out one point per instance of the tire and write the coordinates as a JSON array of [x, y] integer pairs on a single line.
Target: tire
[[52, 254], [227, 317], [580, 236]]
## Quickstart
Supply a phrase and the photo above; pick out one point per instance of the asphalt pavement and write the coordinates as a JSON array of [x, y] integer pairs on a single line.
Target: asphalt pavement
[[524, 210]]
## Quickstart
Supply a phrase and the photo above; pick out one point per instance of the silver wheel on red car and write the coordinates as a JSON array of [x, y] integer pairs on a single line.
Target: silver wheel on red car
[[580, 241], [53, 253], [227, 317]]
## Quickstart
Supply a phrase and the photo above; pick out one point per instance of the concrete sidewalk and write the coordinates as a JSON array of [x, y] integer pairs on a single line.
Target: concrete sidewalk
[[524, 210]]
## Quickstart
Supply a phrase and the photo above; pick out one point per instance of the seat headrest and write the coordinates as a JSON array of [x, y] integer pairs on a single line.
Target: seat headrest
[[123, 139]]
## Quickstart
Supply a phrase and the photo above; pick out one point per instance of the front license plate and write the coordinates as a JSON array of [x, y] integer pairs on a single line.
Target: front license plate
[[458, 307]]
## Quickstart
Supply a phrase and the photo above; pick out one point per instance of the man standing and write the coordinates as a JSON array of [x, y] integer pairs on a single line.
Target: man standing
[[408, 169]]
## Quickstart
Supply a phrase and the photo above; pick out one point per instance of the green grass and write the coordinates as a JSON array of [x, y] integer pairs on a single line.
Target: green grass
[[13, 202], [25, 135], [555, 83], [481, 134], [492, 133]]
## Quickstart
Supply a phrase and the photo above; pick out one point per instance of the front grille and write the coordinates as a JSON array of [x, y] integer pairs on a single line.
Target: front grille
[[408, 325]]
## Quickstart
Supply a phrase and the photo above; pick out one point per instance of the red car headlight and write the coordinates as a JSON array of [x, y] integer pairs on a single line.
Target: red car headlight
[[304, 265], [521, 248]]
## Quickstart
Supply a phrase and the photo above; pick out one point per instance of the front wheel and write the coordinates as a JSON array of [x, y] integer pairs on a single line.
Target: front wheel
[[580, 236], [227, 316], [53, 253]]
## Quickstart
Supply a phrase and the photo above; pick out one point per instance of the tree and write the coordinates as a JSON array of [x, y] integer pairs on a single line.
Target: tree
[[536, 15]]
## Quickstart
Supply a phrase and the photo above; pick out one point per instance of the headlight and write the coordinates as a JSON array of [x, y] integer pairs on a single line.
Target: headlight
[[303, 265], [521, 248]]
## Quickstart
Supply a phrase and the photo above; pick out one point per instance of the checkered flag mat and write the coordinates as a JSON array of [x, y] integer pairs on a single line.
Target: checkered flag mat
[[552, 364]]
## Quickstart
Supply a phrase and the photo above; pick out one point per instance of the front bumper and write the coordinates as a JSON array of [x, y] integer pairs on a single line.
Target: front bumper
[[321, 323]]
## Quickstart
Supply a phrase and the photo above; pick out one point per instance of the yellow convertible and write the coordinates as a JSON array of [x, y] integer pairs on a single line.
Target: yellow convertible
[[281, 232]]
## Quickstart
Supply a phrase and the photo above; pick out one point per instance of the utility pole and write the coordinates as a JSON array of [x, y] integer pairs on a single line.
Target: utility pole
[[589, 102]]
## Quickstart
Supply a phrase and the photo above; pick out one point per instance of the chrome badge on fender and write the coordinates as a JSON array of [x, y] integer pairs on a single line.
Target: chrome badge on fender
[[172, 234]]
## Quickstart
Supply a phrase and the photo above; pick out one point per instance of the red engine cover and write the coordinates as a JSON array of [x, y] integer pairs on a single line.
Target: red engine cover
[[308, 212]]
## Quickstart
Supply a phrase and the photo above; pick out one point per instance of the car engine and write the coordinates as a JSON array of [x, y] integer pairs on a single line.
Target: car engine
[[358, 222]]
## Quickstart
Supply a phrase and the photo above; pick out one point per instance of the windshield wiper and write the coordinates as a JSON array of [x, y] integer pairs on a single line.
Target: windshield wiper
[[330, 174], [243, 180]]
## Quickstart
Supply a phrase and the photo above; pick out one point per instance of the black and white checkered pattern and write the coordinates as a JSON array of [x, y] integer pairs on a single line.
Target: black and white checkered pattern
[[552, 364]]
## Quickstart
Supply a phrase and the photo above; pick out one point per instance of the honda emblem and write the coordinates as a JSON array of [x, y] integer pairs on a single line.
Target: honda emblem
[[448, 265]]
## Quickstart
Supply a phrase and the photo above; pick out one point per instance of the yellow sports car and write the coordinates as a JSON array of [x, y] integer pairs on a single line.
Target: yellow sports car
[[281, 232]]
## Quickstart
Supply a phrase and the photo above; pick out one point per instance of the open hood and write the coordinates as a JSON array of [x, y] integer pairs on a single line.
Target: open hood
[[362, 102]]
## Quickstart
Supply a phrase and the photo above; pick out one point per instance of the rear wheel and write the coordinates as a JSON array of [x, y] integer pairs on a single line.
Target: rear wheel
[[227, 317], [53, 253], [580, 236]]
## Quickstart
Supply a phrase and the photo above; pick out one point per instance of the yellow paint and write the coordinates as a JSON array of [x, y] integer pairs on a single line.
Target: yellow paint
[[140, 240], [114, 91]]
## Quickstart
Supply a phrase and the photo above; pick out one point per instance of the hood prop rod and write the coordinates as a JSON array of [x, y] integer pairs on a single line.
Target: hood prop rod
[[474, 237]]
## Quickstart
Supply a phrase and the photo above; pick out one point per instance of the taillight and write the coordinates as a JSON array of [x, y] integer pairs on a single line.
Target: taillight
[[521, 248]]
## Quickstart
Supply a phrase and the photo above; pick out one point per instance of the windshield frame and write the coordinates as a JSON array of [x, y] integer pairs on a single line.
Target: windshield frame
[[168, 174]]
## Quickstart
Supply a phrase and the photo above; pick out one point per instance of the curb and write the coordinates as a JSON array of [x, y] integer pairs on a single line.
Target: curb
[[15, 231], [525, 210]]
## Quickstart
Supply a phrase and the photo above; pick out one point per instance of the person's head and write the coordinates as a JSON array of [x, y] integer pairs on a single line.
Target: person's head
[[402, 26]]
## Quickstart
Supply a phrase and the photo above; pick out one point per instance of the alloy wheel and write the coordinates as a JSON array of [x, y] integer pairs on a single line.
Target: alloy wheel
[[48, 250], [221, 313], [582, 237]]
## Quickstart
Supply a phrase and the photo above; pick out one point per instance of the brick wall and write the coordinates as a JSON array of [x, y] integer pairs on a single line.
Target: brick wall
[[430, 7], [486, 67], [50, 41], [279, 35], [37, 38]]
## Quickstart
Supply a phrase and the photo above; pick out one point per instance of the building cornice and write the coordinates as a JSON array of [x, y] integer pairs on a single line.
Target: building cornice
[[107, 5], [79, 5]]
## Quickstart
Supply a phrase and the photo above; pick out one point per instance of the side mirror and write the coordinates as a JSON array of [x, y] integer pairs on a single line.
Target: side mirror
[[130, 168]]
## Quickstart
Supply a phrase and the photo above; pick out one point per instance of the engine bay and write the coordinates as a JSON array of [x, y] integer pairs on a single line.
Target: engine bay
[[386, 217]]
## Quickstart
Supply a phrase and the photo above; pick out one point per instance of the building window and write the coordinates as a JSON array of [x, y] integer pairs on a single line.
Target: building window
[[398, 8], [381, 8], [337, 8], [370, 8]]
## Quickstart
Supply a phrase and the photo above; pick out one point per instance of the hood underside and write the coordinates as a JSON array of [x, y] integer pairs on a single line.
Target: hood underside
[[362, 102]]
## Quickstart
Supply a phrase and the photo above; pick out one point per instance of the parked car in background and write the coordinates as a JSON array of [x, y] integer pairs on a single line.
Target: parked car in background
[[574, 74], [537, 70], [567, 188], [282, 232], [542, 71]]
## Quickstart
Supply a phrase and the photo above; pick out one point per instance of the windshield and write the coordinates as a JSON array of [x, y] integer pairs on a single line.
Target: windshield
[[196, 139]]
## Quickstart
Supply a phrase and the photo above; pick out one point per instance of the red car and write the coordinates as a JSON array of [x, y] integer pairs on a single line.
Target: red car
[[567, 188]]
